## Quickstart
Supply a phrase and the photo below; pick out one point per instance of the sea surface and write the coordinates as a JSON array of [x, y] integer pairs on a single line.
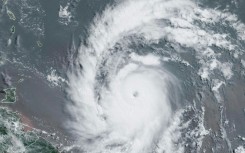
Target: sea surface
[[122, 76]]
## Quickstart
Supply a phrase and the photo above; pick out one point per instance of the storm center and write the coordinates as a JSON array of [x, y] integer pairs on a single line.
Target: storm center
[[136, 94]]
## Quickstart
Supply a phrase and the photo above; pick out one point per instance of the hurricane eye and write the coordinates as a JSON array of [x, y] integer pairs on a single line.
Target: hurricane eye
[[136, 94], [150, 73]]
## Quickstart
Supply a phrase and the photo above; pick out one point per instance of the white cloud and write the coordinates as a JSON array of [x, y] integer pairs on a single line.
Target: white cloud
[[133, 91]]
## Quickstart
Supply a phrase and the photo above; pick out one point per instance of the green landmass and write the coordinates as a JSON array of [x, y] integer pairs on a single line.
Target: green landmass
[[12, 29], [39, 44], [10, 95], [5, 2], [13, 138], [11, 15]]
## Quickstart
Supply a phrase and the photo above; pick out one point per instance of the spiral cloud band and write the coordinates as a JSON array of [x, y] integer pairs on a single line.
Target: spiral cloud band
[[123, 95]]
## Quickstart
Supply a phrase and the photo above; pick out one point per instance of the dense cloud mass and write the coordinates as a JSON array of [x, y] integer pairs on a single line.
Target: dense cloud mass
[[125, 96]]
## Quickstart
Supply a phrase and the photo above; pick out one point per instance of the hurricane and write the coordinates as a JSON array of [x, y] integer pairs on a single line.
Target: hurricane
[[131, 86]]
